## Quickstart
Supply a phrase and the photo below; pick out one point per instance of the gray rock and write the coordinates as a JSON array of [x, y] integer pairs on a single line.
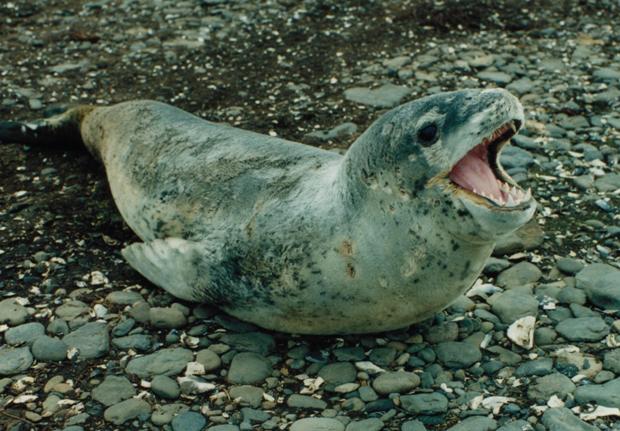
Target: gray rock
[[425, 404], [601, 283], [382, 356], [317, 424], [455, 354], [562, 419], [126, 410], [124, 297], [367, 394], [475, 423], [341, 131], [515, 157], [611, 360], [167, 318], [305, 402], [518, 275], [24, 334], [223, 428], [113, 390], [164, 413], [138, 342], [495, 266], [527, 237], [607, 394], [338, 373], [58, 327], [608, 182], [571, 295], [372, 424], [395, 382], [499, 78], [521, 86], [536, 367], [71, 310], [92, 340], [583, 329], [248, 368], [168, 362], [248, 395], [386, 96], [209, 359], [551, 384], [448, 331], [570, 265], [518, 425], [513, 304], [413, 426], [14, 360], [606, 74], [47, 348], [544, 336], [165, 387], [12, 312], [257, 342], [189, 421]]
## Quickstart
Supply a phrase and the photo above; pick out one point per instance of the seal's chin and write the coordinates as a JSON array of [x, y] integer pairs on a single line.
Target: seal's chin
[[479, 176]]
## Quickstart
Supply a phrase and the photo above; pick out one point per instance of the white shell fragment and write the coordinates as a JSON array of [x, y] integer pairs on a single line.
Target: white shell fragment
[[521, 332], [600, 412]]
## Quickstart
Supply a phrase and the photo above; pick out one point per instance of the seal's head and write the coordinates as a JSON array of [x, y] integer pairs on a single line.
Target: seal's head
[[445, 151]]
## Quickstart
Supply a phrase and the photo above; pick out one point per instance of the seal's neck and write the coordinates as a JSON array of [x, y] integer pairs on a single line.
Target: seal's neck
[[360, 168]]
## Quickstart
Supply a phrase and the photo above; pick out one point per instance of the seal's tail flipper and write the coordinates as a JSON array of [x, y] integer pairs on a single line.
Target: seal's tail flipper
[[177, 265], [62, 128]]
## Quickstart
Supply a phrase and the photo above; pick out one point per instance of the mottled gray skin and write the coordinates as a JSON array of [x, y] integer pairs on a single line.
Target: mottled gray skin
[[298, 239]]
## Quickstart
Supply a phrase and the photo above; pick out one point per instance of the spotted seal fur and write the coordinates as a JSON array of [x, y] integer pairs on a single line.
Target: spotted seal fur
[[298, 239]]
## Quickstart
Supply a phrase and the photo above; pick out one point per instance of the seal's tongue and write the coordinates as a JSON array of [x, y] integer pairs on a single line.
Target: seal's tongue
[[473, 173]]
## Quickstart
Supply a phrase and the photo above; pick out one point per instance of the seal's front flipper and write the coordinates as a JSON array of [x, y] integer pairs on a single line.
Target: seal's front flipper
[[63, 128], [180, 267]]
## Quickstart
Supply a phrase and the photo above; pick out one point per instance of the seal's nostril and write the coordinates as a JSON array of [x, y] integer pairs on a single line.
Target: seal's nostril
[[517, 124]]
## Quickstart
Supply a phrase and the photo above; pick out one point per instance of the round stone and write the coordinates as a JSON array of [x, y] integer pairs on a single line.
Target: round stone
[[513, 304], [457, 354], [338, 373], [167, 318], [607, 394], [126, 410], [552, 384], [14, 360], [12, 312], [24, 334], [247, 395], [113, 390], [165, 387], [602, 285], [297, 401], [189, 421], [583, 329], [91, 340], [169, 362], [317, 424], [372, 424], [209, 359], [47, 348], [425, 404], [248, 368], [395, 382]]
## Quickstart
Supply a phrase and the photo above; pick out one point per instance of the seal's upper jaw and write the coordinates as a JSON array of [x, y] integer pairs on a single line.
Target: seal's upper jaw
[[480, 177]]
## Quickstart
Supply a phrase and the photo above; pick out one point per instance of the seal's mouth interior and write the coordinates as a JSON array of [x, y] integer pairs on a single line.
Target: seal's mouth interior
[[480, 173]]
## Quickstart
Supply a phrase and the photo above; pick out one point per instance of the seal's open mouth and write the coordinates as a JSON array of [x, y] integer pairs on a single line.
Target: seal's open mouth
[[480, 174]]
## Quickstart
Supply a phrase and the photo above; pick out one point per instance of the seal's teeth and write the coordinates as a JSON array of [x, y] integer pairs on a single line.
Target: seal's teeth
[[510, 202], [528, 194]]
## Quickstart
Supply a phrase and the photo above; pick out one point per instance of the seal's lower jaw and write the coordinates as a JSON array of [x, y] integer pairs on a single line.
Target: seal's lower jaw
[[490, 195]]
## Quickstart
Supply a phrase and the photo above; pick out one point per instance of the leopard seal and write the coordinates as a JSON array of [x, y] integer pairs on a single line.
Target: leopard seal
[[302, 240]]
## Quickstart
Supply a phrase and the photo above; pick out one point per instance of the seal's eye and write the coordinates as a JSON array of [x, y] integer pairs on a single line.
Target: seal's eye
[[427, 135]]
